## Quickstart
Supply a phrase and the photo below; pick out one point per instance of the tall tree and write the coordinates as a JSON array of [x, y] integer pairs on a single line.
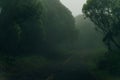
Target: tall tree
[[106, 15]]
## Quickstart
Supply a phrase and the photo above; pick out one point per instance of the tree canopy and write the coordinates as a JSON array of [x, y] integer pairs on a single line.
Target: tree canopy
[[33, 26], [106, 15], [20, 25]]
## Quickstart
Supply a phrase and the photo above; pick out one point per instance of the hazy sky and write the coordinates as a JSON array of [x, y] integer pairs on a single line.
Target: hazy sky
[[74, 5]]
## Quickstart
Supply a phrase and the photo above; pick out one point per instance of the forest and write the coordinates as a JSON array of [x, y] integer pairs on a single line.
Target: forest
[[42, 40]]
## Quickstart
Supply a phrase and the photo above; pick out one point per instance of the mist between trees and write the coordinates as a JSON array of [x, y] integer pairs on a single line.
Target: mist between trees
[[41, 40]]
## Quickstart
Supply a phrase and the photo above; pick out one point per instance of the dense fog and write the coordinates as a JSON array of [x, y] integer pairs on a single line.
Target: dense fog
[[42, 40]]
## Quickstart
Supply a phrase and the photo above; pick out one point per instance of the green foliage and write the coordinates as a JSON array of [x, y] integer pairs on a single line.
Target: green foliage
[[20, 26], [105, 14], [34, 38], [35, 27], [58, 23], [110, 63]]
